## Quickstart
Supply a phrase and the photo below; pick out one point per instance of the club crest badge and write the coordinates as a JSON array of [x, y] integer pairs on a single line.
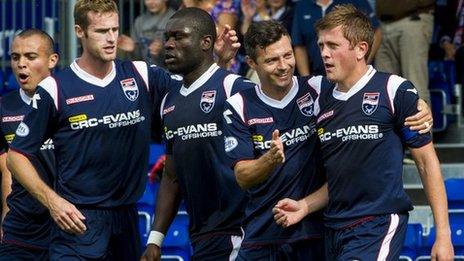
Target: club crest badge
[[130, 89], [207, 101], [370, 102], [306, 105]]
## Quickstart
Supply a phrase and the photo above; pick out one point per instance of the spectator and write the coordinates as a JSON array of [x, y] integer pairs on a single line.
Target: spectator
[[280, 11], [450, 33], [307, 12], [253, 11], [406, 35], [146, 41]]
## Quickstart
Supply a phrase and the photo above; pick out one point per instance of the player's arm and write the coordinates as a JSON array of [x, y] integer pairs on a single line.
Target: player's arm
[[429, 169], [428, 165], [302, 61], [288, 211], [63, 213], [6, 188], [36, 127], [167, 205], [252, 172]]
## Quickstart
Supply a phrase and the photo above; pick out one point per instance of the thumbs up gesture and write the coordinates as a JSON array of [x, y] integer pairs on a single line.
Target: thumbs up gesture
[[277, 148]]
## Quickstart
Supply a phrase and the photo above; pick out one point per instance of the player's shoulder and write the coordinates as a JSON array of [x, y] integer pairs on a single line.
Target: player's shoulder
[[397, 83], [9, 97]]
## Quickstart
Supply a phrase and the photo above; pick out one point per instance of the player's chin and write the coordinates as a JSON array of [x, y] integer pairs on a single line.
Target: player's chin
[[109, 57]]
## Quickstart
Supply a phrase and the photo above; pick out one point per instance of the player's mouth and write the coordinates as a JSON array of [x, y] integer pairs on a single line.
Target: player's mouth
[[283, 76], [109, 49], [169, 58], [329, 66], [23, 78]]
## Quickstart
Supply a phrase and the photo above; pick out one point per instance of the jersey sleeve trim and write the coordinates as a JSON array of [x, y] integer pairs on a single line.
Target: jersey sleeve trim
[[25, 154], [315, 82], [162, 105], [50, 85], [142, 69], [393, 83], [229, 81], [236, 101]]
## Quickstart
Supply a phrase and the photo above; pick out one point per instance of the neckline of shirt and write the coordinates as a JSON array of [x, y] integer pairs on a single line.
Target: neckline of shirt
[[91, 78], [344, 96], [200, 81], [26, 99], [276, 103]]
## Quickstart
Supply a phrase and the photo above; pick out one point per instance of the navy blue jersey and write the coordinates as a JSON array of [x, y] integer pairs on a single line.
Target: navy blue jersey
[[363, 140], [101, 130], [193, 128], [28, 222], [252, 117]]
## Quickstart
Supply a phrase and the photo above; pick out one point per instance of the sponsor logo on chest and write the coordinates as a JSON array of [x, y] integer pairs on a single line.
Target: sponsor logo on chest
[[370, 102], [79, 99], [130, 89], [15, 118], [168, 109], [208, 98]]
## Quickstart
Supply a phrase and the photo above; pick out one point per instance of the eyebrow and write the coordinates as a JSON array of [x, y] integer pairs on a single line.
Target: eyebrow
[[28, 53]]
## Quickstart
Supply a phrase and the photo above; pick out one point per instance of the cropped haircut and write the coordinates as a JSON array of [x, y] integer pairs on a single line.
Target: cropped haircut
[[200, 20], [355, 24], [83, 7], [262, 34], [50, 44]]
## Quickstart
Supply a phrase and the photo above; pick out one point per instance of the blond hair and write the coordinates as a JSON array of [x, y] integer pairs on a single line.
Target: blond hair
[[356, 26], [83, 7]]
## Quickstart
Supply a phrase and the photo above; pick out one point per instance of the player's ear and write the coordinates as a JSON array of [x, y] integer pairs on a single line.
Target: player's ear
[[251, 62], [52, 61], [207, 43], [80, 33], [361, 50]]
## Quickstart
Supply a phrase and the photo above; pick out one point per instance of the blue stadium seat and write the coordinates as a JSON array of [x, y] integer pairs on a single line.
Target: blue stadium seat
[[454, 192], [442, 79], [156, 150], [457, 238], [412, 242], [145, 207], [176, 245]]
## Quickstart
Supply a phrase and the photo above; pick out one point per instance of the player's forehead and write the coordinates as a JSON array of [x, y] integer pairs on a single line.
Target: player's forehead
[[99, 20], [278, 48], [179, 25], [335, 34], [29, 44]]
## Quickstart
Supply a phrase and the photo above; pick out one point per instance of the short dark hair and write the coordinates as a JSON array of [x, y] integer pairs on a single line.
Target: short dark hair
[[200, 20], [50, 44], [262, 34], [355, 24]]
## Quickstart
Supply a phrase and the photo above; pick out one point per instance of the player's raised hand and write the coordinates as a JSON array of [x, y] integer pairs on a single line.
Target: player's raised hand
[[442, 250], [422, 121], [226, 45], [288, 212], [277, 148], [152, 253], [66, 215]]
